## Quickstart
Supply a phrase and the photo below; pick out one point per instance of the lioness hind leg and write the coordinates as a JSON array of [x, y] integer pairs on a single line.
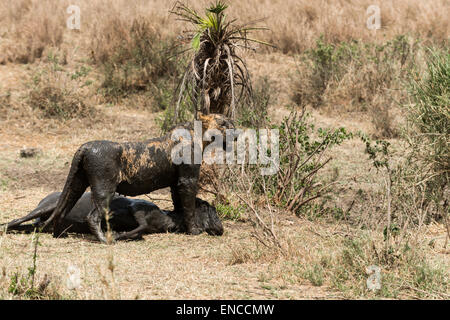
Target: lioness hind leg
[[101, 209], [73, 191], [94, 222]]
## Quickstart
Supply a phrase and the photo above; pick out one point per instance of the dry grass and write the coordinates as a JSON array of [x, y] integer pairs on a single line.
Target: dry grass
[[29, 26], [359, 77], [160, 267], [315, 253], [297, 24]]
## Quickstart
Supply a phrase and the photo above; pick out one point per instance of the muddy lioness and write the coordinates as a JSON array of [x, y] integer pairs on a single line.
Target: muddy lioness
[[131, 169]]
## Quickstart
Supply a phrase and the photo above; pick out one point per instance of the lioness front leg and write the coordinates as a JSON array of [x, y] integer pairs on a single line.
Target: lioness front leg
[[186, 192]]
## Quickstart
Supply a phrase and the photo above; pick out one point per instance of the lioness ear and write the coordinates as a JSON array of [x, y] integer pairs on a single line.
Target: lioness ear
[[205, 119], [202, 117]]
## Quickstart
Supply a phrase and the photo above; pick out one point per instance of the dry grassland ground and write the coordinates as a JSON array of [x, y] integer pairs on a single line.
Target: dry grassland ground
[[165, 266], [175, 266]]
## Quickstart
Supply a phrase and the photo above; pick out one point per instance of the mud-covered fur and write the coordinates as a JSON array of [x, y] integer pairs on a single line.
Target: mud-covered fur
[[131, 169], [132, 217]]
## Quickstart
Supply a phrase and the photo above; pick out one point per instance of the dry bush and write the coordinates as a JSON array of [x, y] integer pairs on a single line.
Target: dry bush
[[381, 112], [296, 24], [361, 77], [111, 35], [296, 184], [54, 102], [101, 14], [303, 155], [385, 232], [134, 58], [254, 114], [404, 272], [59, 94], [295, 187], [12, 109], [5, 105], [109, 26], [340, 258], [411, 196], [417, 178], [429, 120]]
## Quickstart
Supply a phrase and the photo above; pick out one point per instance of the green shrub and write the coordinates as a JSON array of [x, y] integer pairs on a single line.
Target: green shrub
[[324, 63], [303, 155], [228, 212], [429, 119], [303, 152], [402, 270]]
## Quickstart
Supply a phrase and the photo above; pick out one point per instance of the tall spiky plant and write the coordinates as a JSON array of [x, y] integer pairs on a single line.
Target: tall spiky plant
[[216, 78]]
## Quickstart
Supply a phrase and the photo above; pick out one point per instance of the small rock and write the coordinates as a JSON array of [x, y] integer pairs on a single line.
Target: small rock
[[29, 152]]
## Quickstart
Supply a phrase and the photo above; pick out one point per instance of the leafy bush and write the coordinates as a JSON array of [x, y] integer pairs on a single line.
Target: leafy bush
[[429, 119], [302, 156], [325, 62], [228, 212]]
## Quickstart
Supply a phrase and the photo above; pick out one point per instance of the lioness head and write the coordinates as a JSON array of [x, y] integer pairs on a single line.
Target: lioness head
[[215, 121]]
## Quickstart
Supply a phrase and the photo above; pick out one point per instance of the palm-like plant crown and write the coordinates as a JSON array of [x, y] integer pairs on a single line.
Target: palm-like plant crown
[[217, 78]]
